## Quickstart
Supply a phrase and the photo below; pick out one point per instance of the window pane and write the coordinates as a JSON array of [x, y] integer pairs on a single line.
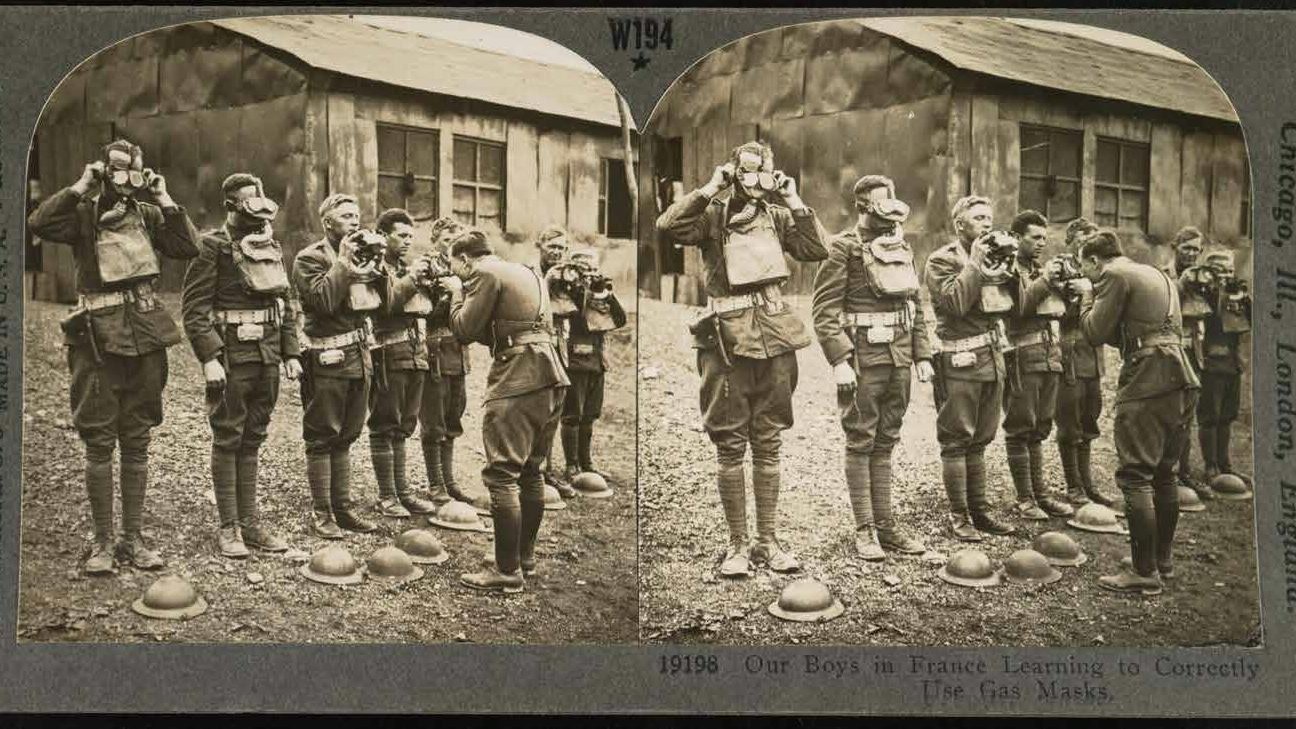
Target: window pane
[[1065, 204], [391, 192], [422, 203], [1134, 166], [1065, 152], [488, 203], [422, 158], [465, 160], [492, 164], [1034, 151], [1108, 162], [391, 150], [1132, 206], [465, 204], [1105, 206], [1033, 195]]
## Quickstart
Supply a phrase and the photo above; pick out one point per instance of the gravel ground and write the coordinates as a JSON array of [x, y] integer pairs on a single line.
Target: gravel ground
[[584, 594], [900, 601]]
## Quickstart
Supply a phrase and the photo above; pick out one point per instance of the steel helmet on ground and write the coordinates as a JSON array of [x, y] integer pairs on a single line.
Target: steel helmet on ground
[[806, 600], [969, 568], [332, 565], [170, 598]]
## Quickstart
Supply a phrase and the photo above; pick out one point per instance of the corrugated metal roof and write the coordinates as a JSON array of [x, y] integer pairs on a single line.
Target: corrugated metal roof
[[998, 47], [351, 47]]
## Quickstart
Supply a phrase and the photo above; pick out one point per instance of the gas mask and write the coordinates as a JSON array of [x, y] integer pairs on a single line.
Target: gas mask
[[754, 172], [883, 211], [126, 171]]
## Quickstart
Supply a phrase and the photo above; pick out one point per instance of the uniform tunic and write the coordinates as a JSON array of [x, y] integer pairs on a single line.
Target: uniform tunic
[[445, 397], [239, 413], [586, 364], [749, 399], [1079, 399], [1221, 373], [872, 415], [116, 397], [1030, 396], [396, 397]]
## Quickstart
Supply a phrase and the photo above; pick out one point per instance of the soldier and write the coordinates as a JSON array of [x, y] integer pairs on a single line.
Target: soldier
[[118, 334], [445, 394], [748, 335], [337, 286], [241, 324], [505, 306], [1079, 399], [1136, 307], [599, 312], [872, 330], [402, 368], [556, 268], [1034, 365], [1194, 284], [969, 282], [1221, 373]]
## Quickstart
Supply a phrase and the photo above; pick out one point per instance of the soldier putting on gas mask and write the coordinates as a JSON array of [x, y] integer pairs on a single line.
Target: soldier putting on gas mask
[[599, 312], [339, 281], [117, 217], [505, 306], [1136, 307], [969, 281], [871, 327], [563, 280], [1034, 366], [241, 324], [748, 336], [1221, 373], [1196, 283]]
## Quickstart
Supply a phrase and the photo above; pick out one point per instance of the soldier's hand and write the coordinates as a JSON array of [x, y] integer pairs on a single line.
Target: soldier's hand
[[454, 285], [925, 370], [1079, 286], [785, 185], [157, 186], [291, 367], [214, 373], [844, 376], [89, 181], [979, 250], [421, 268], [721, 178]]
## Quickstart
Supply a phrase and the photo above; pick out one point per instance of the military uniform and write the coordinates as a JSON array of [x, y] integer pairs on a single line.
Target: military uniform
[[747, 360], [882, 331], [1079, 404], [969, 384], [506, 307], [250, 333], [586, 364], [1034, 366], [445, 400], [1221, 384], [1194, 310], [1136, 307], [116, 351], [336, 377]]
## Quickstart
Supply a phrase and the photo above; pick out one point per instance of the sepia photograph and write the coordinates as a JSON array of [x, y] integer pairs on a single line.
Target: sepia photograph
[[945, 342], [329, 336]]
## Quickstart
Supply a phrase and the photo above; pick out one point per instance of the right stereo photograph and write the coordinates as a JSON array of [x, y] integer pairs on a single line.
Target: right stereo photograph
[[944, 340]]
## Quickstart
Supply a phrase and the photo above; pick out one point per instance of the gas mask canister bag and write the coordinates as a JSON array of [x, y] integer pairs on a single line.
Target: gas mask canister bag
[[752, 252], [123, 247], [259, 260]]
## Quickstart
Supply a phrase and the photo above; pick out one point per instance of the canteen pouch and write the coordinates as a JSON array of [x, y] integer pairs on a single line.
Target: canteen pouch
[[363, 297], [889, 267], [754, 256], [259, 260], [995, 298], [123, 249]]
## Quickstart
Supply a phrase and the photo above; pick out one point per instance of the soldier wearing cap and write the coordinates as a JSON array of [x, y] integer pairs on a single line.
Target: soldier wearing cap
[[1080, 398], [970, 295], [1195, 284], [338, 289], [1136, 307], [1034, 365], [241, 323], [1221, 372], [445, 392], [505, 306], [871, 327], [599, 312], [118, 335], [401, 365], [748, 335], [554, 249]]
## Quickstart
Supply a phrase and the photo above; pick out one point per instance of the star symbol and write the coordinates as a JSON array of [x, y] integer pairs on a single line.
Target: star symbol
[[640, 61]]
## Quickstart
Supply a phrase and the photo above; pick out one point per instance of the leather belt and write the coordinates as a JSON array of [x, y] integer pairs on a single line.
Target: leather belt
[[1039, 336], [108, 299], [967, 344], [337, 341], [873, 319], [769, 297], [439, 333], [385, 339], [1156, 339], [244, 316], [518, 342]]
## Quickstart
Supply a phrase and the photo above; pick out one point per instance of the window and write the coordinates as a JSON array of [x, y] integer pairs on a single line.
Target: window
[[407, 170], [1245, 227], [1121, 184], [614, 199], [1050, 172], [669, 173], [479, 183]]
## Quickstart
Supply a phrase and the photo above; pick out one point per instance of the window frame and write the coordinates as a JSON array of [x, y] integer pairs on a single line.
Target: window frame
[[1078, 180], [434, 178], [1120, 186], [477, 185]]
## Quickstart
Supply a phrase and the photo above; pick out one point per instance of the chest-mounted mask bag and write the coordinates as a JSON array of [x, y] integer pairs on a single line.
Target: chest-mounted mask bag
[[598, 316], [123, 248], [259, 260], [889, 267], [753, 255], [995, 298], [363, 296]]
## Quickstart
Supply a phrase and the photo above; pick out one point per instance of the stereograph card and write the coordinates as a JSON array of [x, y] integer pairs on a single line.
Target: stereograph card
[[434, 360]]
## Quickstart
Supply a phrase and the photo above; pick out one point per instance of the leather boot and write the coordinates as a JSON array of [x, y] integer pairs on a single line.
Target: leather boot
[[506, 574], [99, 489], [1071, 474], [224, 471], [765, 487], [584, 446], [1084, 464], [254, 533], [1142, 579], [1223, 434], [978, 503], [1051, 505], [319, 475], [954, 476], [344, 511], [1166, 503], [732, 484], [413, 502], [563, 485], [436, 480], [570, 435], [1207, 437], [482, 504], [380, 453], [1019, 467], [134, 485], [532, 516], [890, 537]]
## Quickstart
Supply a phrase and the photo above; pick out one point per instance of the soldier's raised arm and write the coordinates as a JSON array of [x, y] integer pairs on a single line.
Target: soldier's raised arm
[[1102, 310], [685, 220], [954, 284], [172, 232], [322, 284]]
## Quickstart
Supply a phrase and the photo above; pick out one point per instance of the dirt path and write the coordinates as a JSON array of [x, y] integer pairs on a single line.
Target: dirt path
[[682, 535], [585, 594]]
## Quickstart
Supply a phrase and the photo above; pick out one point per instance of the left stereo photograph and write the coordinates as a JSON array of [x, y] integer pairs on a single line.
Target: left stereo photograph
[[329, 336]]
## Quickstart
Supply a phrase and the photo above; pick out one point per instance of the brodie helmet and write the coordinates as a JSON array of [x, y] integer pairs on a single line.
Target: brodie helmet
[[332, 565], [392, 564], [1027, 566], [422, 547], [170, 598], [806, 600], [969, 568]]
